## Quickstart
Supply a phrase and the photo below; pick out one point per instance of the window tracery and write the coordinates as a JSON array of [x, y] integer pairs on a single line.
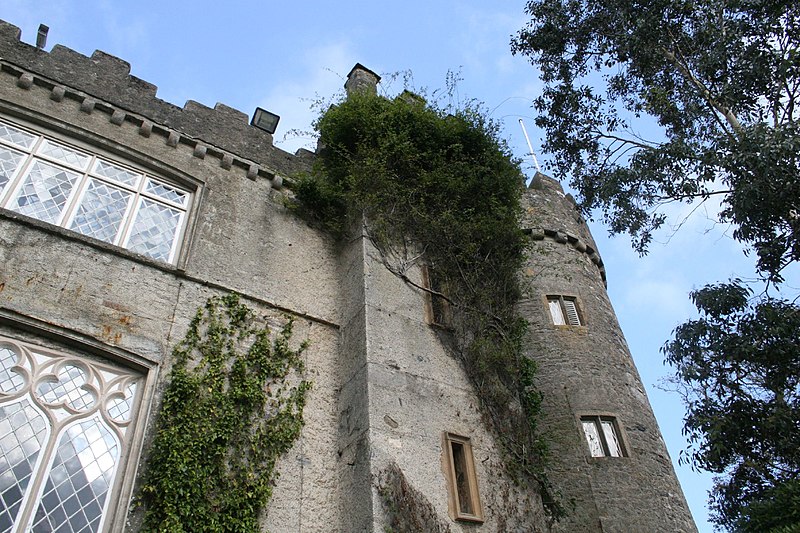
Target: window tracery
[[65, 428]]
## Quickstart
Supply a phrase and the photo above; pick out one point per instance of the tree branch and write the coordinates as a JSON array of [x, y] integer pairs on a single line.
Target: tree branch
[[679, 197], [704, 91]]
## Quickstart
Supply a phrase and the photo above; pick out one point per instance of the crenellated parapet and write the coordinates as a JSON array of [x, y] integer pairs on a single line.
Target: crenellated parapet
[[549, 214], [103, 83], [539, 234]]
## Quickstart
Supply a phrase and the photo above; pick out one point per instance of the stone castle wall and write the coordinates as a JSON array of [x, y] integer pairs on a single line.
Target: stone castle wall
[[386, 387]]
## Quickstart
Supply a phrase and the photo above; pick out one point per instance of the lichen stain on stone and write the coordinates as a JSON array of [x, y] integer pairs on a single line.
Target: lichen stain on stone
[[107, 333], [116, 306]]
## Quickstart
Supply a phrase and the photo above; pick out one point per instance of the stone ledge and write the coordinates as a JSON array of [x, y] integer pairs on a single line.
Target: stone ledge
[[166, 268]]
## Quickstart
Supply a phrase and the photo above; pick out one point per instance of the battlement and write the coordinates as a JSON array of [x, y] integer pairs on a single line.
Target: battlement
[[107, 78]]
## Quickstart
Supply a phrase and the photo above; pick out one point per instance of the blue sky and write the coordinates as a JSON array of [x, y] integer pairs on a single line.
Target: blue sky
[[254, 53]]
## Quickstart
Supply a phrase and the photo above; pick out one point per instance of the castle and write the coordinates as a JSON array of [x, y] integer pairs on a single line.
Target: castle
[[121, 214]]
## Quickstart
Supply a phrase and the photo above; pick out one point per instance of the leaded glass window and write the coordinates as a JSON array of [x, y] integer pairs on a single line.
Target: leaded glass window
[[65, 427], [465, 502], [48, 180]]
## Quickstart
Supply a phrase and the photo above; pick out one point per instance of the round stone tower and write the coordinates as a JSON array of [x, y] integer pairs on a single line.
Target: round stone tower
[[607, 457]]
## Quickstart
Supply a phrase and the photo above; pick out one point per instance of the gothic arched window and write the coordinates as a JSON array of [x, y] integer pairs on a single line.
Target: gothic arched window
[[65, 428]]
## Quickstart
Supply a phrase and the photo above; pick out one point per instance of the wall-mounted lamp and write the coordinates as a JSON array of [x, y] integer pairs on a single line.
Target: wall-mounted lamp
[[41, 36], [264, 120]]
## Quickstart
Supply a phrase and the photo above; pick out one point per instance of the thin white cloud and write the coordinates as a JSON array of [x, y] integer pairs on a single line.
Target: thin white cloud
[[323, 75], [484, 42], [126, 34], [659, 299]]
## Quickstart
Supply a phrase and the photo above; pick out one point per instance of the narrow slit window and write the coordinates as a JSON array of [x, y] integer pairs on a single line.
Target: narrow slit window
[[437, 308], [603, 436], [564, 311], [465, 501]]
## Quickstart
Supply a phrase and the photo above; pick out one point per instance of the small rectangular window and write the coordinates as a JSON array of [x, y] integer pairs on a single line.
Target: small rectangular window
[[465, 502], [603, 436], [83, 192], [564, 311]]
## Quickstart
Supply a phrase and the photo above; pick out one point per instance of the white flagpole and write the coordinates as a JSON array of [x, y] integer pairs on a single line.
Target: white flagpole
[[525, 132]]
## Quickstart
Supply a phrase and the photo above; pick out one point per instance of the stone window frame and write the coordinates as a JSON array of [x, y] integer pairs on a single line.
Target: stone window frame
[[570, 308], [459, 464], [66, 344], [599, 420], [87, 174]]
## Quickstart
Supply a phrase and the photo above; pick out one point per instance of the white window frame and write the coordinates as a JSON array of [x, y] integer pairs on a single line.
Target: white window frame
[[564, 310], [603, 436], [25, 370], [138, 194]]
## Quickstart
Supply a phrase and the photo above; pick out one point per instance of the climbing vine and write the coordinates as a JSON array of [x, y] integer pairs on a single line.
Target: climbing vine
[[233, 405], [438, 185]]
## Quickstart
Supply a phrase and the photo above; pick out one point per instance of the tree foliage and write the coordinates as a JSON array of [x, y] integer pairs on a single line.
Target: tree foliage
[[738, 367], [434, 185], [721, 81]]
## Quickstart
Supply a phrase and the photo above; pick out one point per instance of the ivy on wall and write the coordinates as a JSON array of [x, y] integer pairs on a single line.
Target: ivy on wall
[[232, 406], [440, 186]]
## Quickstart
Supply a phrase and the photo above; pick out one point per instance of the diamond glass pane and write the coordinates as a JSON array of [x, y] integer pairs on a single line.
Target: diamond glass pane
[[154, 230], [22, 433], [166, 192], [16, 136], [9, 162], [68, 388], [118, 174], [101, 211], [45, 192], [66, 155], [10, 379], [119, 409], [79, 480]]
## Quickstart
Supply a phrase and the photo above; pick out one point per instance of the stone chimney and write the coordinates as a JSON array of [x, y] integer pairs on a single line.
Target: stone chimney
[[361, 79]]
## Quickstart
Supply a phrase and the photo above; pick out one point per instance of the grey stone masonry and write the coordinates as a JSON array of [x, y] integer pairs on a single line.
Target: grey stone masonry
[[586, 372], [388, 392], [361, 78]]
